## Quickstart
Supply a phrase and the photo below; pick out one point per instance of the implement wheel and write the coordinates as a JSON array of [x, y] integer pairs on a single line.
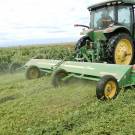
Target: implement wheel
[[81, 42], [56, 77], [32, 72], [107, 87], [13, 67], [120, 49]]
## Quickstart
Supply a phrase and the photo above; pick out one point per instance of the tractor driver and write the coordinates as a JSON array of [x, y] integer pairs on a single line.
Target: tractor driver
[[104, 16]]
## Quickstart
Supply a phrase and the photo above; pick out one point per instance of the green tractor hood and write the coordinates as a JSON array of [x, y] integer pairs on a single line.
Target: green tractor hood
[[100, 34]]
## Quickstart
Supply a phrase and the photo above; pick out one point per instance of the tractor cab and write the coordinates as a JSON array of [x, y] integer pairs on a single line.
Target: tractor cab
[[110, 13], [115, 14], [111, 33]]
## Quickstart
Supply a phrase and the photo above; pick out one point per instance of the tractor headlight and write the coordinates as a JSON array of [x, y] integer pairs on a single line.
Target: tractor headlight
[[113, 3], [119, 2], [108, 4]]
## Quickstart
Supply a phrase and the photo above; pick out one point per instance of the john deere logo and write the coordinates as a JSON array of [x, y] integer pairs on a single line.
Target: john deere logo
[[107, 73], [99, 36]]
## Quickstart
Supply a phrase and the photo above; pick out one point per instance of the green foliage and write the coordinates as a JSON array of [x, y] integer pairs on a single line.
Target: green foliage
[[5, 59], [22, 54], [34, 107], [25, 51]]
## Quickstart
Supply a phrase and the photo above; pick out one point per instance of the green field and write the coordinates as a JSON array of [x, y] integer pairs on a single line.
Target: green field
[[35, 107]]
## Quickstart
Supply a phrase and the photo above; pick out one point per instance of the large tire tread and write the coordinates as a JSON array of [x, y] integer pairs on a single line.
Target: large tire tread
[[54, 76], [27, 70], [101, 86], [12, 68], [81, 42], [111, 45]]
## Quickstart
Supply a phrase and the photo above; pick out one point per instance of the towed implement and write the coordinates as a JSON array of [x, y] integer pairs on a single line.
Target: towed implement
[[104, 55], [110, 77]]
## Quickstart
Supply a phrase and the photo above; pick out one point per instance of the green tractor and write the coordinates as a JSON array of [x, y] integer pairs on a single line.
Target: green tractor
[[109, 39], [110, 36]]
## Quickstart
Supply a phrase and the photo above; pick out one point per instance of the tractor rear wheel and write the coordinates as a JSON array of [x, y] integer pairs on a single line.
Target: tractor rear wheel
[[13, 67], [32, 72], [120, 49], [56, 77], [81, 42], [107, 87]]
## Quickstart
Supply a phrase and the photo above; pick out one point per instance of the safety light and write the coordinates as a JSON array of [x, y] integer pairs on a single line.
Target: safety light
[[133, 67], [76, 25], [109, 30], [69, 47], [119, 2], [108, 4], [113, 3], [106, 20]]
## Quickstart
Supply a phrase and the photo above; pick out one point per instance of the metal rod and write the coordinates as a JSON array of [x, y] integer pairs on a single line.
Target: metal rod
[[67, 77], [45, 70], [127, 53], [87, 78]]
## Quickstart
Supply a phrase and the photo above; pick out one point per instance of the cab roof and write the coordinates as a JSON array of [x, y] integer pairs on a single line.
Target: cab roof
[[103, 3]]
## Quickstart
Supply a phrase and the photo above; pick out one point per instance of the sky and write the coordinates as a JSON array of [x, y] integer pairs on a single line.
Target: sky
[[31, 22]]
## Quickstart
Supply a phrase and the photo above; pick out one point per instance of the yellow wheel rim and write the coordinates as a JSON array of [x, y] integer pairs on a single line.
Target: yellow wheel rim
[[123, 52], [58, 79], [33, 73], [110, 89], [14, 68]]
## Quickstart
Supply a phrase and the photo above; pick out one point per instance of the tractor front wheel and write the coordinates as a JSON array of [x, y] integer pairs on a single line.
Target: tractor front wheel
[[107, 87], [120, 49], [32, 72], [56, 77], [13, 67]]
